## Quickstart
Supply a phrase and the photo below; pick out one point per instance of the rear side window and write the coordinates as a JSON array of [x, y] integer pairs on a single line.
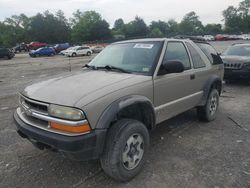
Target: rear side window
[[177, 51], [211, 53], [197, 60]]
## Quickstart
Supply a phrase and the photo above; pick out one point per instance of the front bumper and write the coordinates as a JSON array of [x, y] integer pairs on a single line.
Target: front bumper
[[80, 148], [234, 74]]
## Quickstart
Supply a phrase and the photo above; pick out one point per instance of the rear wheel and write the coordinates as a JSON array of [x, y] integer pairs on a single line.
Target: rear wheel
[[125, 149], [209, 110], [73, 55], [88, 53]]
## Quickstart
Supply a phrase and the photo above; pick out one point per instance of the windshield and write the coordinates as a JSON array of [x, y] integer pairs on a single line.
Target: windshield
[[238, 51], [131, 57]]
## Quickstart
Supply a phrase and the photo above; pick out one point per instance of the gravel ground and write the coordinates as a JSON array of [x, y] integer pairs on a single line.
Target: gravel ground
[[184, 152]]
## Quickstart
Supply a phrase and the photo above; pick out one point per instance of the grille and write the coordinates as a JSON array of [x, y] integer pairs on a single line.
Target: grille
[[28, 106], [35, 121], [35, 106], [233, 66]]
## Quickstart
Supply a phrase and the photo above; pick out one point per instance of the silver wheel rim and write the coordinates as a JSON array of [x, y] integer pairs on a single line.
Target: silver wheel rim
[[213, 105], [133, 151]]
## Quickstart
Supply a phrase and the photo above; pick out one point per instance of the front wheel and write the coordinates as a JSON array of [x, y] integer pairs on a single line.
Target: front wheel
[[209, 110], [88, 53], [125, 149]]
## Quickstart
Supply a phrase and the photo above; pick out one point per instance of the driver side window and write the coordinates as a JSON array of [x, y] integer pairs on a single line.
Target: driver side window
[[177, 51]]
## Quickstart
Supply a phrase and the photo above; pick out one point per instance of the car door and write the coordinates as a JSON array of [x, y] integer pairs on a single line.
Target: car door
[[175, 93], [80, 51], [85, 50], [201, 65], [43, 51]]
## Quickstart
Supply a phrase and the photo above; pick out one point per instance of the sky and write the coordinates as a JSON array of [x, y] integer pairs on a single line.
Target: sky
[[209, 11]]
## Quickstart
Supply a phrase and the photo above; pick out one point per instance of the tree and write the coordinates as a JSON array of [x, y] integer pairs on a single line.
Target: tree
[[157, 26], [173, 27], [89, 26], [191, 24], [49, 28], [119, 24], [237, 19], [10, 35], [213, 29], [156, 32], [136, 28]]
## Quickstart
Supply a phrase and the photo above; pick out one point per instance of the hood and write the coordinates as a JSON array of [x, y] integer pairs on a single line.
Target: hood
[[68, 89], [235, 59]]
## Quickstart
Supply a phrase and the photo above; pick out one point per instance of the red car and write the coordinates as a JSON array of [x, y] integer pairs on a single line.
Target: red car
[[220, 37], [36, 45]]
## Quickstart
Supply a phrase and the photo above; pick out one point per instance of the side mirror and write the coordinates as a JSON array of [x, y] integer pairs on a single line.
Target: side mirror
[[173, 66]]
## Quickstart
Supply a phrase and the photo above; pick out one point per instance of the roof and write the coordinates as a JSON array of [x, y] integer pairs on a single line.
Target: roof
[[149, 40]]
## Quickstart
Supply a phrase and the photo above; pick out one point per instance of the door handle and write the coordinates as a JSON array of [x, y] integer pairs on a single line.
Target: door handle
[[192, 76]]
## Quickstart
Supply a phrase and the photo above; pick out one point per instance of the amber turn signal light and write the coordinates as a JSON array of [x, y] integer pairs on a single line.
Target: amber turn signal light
[[71, 129]]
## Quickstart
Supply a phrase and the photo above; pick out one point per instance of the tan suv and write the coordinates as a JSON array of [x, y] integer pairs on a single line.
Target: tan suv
[[106, 110]]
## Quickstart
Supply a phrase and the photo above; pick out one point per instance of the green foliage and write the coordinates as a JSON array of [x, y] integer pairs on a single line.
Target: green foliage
[[119, 25], [89, 26], [136, 28], [237, 19], [213, 29], [159, 28], [49, 28], [155, 33], [191, 24]]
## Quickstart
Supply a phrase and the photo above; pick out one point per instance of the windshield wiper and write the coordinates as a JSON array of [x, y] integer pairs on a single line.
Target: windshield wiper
[[90, 66], [109, 68]]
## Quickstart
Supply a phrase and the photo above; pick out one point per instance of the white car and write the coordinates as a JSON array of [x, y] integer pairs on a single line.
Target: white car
[[77, 51], [246, 37], [209, 37]]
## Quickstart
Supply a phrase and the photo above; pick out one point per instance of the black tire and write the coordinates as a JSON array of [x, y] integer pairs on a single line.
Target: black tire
[[117, 142], [88, 53], [73, 55], [209, 110]]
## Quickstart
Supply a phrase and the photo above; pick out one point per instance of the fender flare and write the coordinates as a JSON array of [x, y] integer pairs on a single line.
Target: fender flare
[[110, 113], [207, 87]]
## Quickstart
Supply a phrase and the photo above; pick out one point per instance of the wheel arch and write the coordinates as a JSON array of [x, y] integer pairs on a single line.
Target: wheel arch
[[213, 82], [134, 107]]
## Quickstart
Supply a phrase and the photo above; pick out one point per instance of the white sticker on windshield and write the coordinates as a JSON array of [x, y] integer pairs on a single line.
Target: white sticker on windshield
[[146, 46]]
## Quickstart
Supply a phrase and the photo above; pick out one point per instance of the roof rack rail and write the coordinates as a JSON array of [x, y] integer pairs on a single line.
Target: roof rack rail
[[193, 38], [237, 43]]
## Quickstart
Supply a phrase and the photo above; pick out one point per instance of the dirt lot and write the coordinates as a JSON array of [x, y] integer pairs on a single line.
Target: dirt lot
[[184, 152]]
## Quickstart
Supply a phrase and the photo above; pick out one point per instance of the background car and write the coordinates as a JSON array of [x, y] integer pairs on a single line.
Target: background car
[[209, 37], [237, 61], [6, 53], [78, 50], [220, 37], [246, 37], [60, 47], [46, 51], [97, 49], [36, 45], [21, 47]]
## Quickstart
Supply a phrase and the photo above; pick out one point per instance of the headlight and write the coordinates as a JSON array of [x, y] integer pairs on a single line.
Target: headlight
[[65, 112]]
